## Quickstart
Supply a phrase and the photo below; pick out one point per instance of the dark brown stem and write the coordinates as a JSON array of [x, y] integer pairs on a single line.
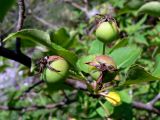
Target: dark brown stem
[[29, 89], [18, 57], [34, 85]]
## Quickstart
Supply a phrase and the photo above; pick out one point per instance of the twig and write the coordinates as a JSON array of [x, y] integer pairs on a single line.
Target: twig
[[85, 4], [39, 107], [21, 17], [154, 100], [74, 4], [33, 86], [29, 89], [21, 14], [32, 108], [43, 21], [147, 107], [77, 84]]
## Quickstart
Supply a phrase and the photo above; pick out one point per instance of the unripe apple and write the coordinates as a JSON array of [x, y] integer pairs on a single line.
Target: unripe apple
[[59, 74], [101, 63], [107, 31]]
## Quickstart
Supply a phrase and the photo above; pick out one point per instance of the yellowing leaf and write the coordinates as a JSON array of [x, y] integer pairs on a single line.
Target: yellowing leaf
[[113, 98]]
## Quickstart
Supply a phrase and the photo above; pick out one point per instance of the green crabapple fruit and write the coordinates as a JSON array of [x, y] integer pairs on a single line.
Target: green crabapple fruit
[[105, 64], [107, 31], [56, 71]]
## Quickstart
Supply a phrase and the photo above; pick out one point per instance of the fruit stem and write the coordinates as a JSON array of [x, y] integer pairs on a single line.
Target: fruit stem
[[104, 48]]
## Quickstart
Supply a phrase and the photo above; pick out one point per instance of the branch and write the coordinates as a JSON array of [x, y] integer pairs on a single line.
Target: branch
[[43, 21], [147, 107], [21, 17], [80, 7], [18, 57], [33, 86], [85, 4], [39, 107], [29, 89], [154, 100], [75, 5], [21, 14], [77, 84], [35, 107]]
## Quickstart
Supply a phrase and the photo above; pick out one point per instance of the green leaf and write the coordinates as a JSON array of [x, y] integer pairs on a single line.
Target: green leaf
[[66, 54], [131, 29], [101, 112], [123, 112], [27, 44], [140, 38], [96, 47], [125, 97], [60, 37], [43, 39], [105, 110], [151, 8], [5, 5], [3, 67], [81, 63], [134, 4], [120, 43], [72, 41], [156, 71], [34, 35], [126, 56], [137, 74]]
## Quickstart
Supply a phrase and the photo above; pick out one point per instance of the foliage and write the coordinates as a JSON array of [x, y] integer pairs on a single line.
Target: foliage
[[137, 57]]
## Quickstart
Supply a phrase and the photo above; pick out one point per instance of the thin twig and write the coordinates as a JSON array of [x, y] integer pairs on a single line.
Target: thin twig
[[32, 108], [86, 4], [39, 107], [21, 14], [76, 5], [21, 17], [29, 89], [34, 85], [154, 100], [147, 107], [77, 84], [43, 21]]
